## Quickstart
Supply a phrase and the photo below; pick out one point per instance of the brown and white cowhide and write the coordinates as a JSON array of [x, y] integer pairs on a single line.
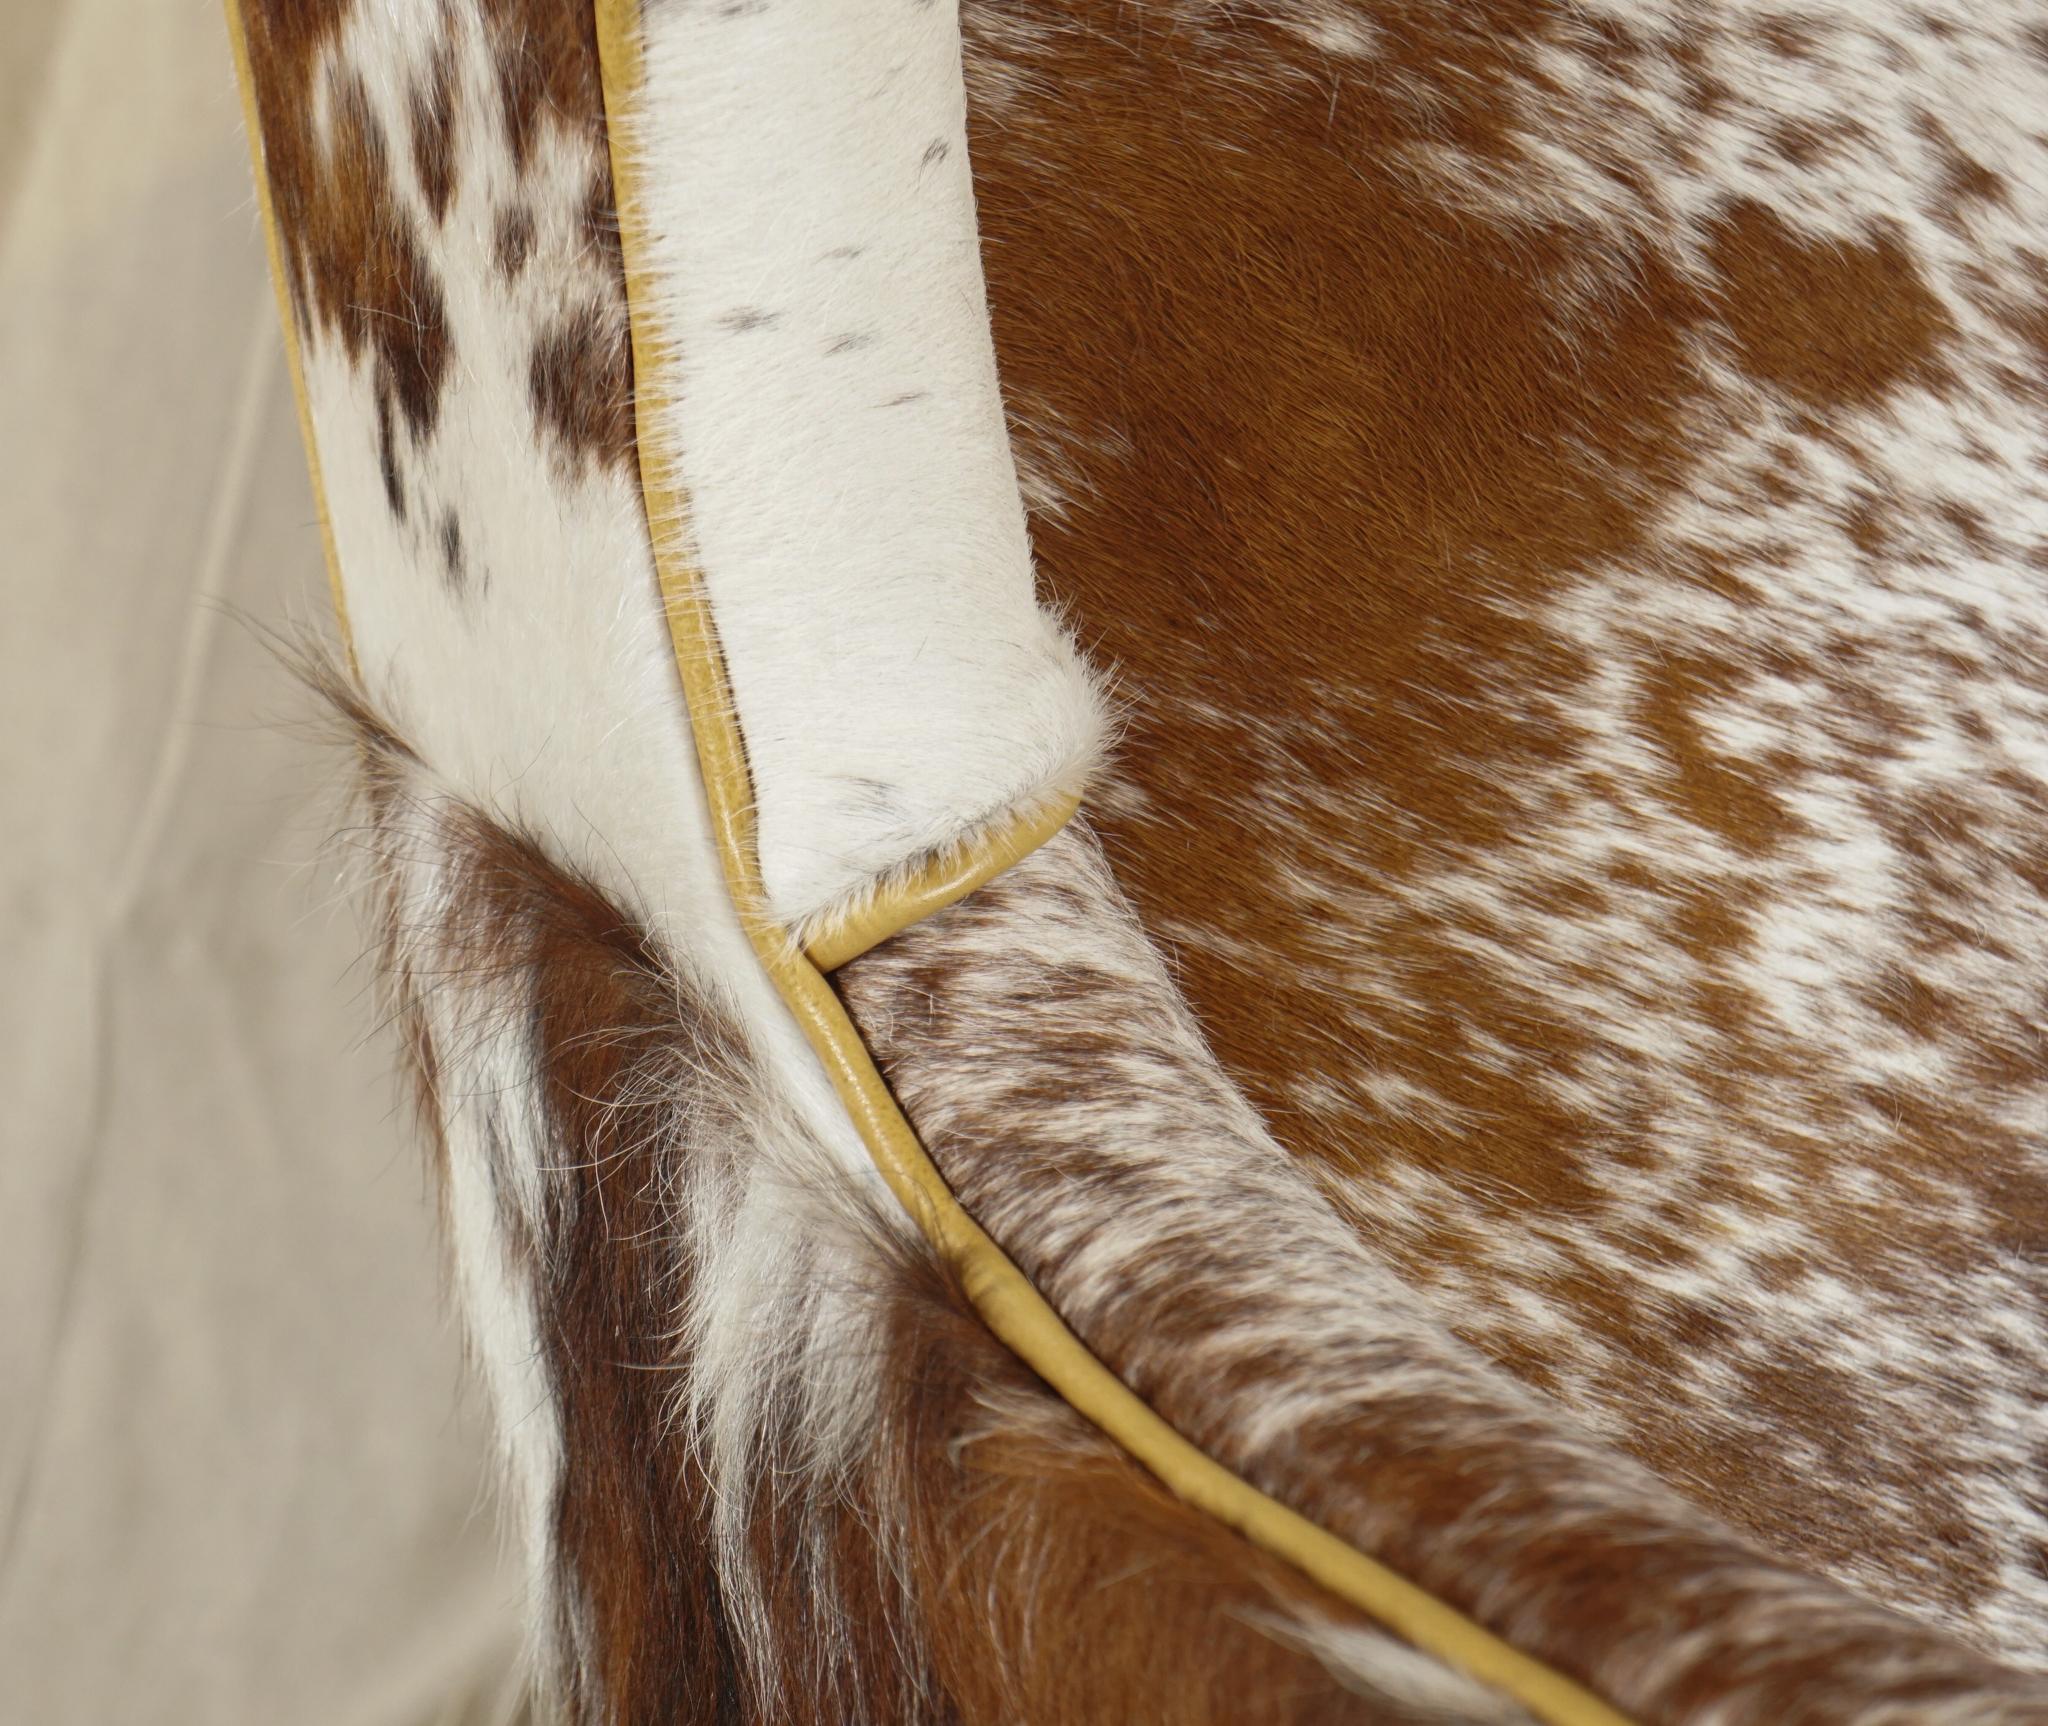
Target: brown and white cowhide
[[1566, 489], [1563, 491]]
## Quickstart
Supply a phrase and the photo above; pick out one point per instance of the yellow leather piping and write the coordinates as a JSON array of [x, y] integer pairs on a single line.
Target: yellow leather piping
[[245, 82], [952, 875], [1005, 1298]]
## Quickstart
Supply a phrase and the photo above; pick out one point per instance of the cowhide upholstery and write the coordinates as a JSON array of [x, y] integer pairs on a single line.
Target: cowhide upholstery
[[1567, 491], [1535, 1055]]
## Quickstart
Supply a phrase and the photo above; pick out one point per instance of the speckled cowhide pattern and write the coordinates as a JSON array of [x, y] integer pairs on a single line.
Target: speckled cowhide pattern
[[763, 1461], [1037, 1041], [1565, 488], [1537, 1056]]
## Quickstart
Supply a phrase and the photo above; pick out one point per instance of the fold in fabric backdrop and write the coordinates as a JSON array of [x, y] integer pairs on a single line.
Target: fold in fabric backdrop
[[239, 1481]]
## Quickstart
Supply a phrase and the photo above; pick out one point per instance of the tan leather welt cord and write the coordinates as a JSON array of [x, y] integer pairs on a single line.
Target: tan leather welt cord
[[952, 875], [1006, 1299], [245, 81]]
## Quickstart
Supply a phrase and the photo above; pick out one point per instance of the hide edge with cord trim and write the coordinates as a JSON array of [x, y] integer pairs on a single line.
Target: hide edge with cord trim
[[599, 324]]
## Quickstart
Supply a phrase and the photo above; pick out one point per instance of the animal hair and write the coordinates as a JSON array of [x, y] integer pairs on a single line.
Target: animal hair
[[771, 1465]]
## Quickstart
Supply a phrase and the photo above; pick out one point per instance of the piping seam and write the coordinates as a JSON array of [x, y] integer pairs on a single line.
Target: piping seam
[[1007, 1301]]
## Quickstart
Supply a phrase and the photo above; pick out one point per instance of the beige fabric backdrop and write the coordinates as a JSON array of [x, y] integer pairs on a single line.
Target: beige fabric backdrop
[[238, 1480]]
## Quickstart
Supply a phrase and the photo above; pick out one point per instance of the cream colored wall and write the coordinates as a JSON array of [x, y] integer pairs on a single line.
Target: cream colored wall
[[238, 1482]]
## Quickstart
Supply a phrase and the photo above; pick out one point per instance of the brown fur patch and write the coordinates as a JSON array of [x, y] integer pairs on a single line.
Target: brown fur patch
[[353, 266], [433, 134], [581, 377], [1837, 323], [357, 260], [547, 66], [512, 241]]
